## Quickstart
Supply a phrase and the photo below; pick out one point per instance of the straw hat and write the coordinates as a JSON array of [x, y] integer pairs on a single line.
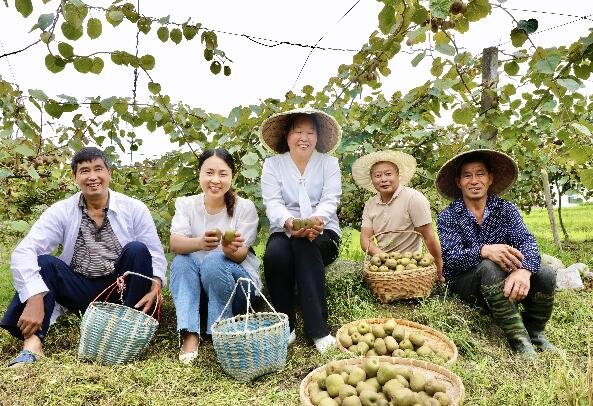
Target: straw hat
[[273, 130], [361, 168], [503, 168]]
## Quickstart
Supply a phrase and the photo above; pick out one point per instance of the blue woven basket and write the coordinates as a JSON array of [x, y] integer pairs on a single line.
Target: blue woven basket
[[112, 333], [251, 344]]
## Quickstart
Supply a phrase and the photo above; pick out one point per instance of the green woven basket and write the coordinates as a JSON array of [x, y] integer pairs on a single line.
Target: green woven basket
[[112, 333]]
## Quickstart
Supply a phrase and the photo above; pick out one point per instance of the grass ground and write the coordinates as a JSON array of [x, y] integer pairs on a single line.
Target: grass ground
[[490, 374]]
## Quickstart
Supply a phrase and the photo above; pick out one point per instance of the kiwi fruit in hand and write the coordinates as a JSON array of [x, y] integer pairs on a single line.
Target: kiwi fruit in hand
[[228, 236]]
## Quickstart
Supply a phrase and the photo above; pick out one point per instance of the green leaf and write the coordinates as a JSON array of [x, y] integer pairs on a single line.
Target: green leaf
[[94, 28], [227, 70], [176, 35], [53, 109], [249, 159], [109, 102], [418, 58], [24, 150], [209, 39], [143, 25], [437, 67], [529, 26], [189, 31], [65, 49], [20, 226], [45, 20], [25, 7], [33, 173], [440, 8], [97, 109], [83, 64], [420, 15], [477, 9], [518, 37], [570, 84], [215, 67], [163, 34], [5, 173], [582, 71], [445, 49], [582, 129], [147, 62], [98, 65], [462, 25], [114, 17], [586, 176], [70, 31], [548, 65], [208, 54], [511, 68], [250, 173], [154, 88], [386, 18], [38, 94], [54, 64], [463, 115]]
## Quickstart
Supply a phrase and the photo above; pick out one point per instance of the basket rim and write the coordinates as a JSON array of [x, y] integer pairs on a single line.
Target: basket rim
[[406, 323], [139, 315], [237, 318], [454, 379], [406, 272]]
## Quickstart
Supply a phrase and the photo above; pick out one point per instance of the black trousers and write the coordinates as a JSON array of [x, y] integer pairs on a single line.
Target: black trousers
[[297, 263], [75, 291], [467, 285]]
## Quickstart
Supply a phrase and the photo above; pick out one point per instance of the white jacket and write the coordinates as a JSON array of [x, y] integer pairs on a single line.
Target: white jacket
[[130, 220]]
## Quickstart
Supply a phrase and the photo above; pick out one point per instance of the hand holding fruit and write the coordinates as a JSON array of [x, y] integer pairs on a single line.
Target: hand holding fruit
[[231, 241], [211, 239], [310, 228]]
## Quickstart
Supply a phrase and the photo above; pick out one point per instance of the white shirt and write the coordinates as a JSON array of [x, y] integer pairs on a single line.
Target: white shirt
[[59, 224], [192, 220], [280, 183]]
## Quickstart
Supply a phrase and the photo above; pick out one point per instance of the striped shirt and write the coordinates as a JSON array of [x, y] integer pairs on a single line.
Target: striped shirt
[[96, 248], [462, 237]]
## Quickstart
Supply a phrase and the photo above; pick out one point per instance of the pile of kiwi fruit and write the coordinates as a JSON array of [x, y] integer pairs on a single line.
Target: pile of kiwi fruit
[[375, 383], [397, 261], [391, 339], [298, 224]]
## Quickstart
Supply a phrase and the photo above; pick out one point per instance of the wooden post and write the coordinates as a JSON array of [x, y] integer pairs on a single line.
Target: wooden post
[[489, 82], [550, 207]]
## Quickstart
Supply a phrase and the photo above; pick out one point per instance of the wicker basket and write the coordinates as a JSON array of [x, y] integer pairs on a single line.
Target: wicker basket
[[394, 285], [251, 344], [453, 383], [112, 333], [435, 338]]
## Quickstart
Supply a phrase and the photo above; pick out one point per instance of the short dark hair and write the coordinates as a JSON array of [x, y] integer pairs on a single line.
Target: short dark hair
[[88, 154], [471, 158], [230, 198], [292, 119]]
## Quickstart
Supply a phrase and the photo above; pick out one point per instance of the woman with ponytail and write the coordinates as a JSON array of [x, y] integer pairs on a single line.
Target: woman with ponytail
[[206, 261]]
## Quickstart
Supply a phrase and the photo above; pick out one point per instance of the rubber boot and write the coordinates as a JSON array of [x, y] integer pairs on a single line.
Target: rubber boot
[[537, 310], [506, 315]]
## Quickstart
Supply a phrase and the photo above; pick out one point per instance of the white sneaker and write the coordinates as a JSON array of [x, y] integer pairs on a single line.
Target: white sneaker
[[291, 337], [324, 343]]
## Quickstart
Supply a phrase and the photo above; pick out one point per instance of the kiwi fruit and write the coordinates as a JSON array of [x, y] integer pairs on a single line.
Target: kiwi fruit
[[228, 236]]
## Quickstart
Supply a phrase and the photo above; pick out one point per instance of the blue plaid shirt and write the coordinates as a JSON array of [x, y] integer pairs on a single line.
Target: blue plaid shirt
[[462, 237]]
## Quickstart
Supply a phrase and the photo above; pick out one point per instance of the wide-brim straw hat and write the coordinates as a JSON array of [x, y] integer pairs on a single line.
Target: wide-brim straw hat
[[273, 130], [503, 167], [361, 168]]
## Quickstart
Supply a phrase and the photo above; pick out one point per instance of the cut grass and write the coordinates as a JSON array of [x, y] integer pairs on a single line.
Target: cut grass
[[490, 374]]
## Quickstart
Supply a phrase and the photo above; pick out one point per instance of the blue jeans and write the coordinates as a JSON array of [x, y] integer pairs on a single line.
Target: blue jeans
[[75, 291], [216, 275]]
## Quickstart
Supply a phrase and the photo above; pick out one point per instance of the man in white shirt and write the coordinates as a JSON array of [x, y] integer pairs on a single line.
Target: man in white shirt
[[103, 234]]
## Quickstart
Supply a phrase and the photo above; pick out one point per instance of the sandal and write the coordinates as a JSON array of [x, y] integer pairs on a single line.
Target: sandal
[[24, 357]]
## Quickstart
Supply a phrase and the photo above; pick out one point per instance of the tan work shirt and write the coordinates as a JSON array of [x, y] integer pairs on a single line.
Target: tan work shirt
[[407, 209]]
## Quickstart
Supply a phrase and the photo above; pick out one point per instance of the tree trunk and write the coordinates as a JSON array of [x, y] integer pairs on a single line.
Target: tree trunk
[[550, 206]]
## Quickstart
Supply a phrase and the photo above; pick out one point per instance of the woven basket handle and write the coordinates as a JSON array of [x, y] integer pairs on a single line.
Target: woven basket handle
[[248, 297], [373, 239], [120, 282]]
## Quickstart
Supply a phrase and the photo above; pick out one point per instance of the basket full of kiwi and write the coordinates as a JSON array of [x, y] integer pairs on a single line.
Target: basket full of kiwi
[[393, 275], [381, 381], [397, 338]]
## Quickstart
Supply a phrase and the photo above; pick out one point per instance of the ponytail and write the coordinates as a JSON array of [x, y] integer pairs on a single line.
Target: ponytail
[[230, 198]]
